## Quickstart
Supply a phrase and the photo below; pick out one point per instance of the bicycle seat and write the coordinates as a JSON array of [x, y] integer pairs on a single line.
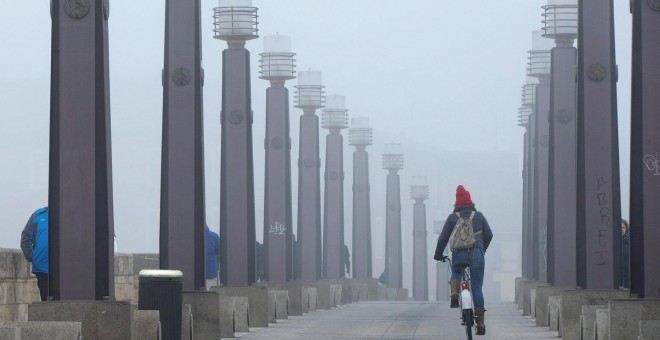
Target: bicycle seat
[[460, 265]]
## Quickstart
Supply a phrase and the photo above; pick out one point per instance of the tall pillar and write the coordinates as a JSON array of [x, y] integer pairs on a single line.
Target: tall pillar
[[598, 196], [360, 136], [236, 25], [539, 67], [532, 248], [334, 119], [561, 25], [182, 206], [524, 115], [393, 162], [645, 143], [81, 256], [309, 98], [277, 66], [419, 192], [442, 270]]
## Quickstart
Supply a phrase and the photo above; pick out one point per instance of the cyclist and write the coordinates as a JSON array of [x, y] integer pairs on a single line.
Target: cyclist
[[474, 255]]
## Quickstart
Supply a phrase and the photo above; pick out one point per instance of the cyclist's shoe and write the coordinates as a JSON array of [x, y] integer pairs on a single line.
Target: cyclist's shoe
[[479, 315], [454, 293]]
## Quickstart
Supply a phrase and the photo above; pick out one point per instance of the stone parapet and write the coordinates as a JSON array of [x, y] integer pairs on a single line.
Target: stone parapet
[[571, 307]]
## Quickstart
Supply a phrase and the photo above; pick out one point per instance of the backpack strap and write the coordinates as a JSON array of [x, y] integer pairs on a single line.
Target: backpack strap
[[472, 215], [458, 214]]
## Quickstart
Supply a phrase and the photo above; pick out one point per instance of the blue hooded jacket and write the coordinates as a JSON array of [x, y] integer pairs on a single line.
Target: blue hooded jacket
[[212, 251], [34, 241]]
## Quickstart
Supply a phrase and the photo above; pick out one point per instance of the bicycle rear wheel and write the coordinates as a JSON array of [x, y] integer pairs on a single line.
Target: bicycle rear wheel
[[468, 319]]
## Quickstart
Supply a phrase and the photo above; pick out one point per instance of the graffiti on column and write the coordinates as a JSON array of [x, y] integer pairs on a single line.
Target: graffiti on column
[[652, 163], [605, 219], [277, 228]]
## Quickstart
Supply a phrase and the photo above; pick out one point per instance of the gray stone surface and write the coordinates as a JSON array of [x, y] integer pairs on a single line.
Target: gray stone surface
[[227, 320], [206, 310], [571, 307], [100, 319], [271, 306], [325, 296], [649, 329], [186, 322], [400, 320], [372, 289], [391, 294], [541, 302], [626, 314], [313, 298], [532, 301], [517, 294], [402, 294], [347, 289], [381, 291], [602, 324], [10, 333], [337, 291], [554, 306], [241, 314], [588, 321], [14, 312], [146, 324], [281, 304], [51, 330], [296, 295], [305, 299], [527, 287], [257, 298]]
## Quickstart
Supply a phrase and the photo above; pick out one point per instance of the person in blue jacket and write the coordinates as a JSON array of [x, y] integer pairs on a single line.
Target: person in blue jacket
[[212, 252], [34, 244]]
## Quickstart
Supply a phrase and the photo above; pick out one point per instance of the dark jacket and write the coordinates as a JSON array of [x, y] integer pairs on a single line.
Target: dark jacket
[[212, 251], [625, 260], [34, 241], [479, 223]]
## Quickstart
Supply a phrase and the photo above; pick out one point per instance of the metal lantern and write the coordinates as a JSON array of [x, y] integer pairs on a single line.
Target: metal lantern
[[277, 63], [334, 115], [540, 57], [419, 190], [235, 20], [560, 19], [360, 134], [393, 157], [309, 91]]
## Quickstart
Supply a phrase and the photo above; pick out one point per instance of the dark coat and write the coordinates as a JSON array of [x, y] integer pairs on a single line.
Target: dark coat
[[479, 223]]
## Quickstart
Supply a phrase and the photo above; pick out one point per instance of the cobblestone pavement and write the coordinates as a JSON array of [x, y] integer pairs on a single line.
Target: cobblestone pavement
[[400, 320]]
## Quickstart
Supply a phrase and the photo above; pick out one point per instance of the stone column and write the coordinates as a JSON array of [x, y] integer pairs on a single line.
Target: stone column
[[81, 257], [182, 206]]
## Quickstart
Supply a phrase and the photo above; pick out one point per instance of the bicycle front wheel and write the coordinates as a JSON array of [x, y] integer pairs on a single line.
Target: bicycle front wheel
[[468, 318]]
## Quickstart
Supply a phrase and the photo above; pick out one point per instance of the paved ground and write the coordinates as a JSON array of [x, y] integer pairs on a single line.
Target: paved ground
[[399, 320]]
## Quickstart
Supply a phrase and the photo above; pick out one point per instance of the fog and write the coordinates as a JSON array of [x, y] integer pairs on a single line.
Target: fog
[[441, 77]]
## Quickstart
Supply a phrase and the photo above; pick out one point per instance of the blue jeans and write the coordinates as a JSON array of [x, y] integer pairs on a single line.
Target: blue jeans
[[475, 257]]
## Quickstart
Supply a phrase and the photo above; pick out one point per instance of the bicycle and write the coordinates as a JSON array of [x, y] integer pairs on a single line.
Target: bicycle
[[465, 302]]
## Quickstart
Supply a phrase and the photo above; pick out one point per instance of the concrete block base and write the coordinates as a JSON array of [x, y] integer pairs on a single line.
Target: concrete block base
[[337, 292], [281, 304], [571, 307], [325, 296], [626, 314], [210, 314], [372, 289], [526, 291], [146, 324], [271, 306], [402, 294], [602, 324], [554, 306], [51, 330], [257, 299], [298, 297], [649, 330], [532, 301], [312, 298], [541, 302], [588, 321], [348, 288], [241, 314], [100, 319], [381, 292], [517, 295], [186, 322], [391, 294]]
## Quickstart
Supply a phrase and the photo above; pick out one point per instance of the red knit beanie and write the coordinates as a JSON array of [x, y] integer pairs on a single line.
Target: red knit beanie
[[462, 197]]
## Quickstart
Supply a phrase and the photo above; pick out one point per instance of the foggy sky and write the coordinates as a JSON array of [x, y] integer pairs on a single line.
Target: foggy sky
[[440, 76]]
